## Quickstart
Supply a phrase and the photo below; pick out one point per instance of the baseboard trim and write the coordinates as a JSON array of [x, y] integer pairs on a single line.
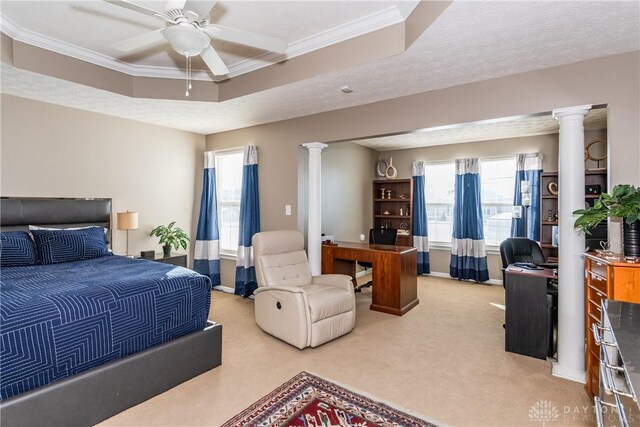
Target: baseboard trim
[[448, 276], [568, 374], [226, 289]]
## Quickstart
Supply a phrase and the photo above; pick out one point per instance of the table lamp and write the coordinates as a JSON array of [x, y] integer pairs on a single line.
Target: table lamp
[[127, 221]]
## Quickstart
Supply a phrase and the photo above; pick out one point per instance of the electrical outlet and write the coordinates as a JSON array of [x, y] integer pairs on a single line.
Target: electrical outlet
[[287, 209]]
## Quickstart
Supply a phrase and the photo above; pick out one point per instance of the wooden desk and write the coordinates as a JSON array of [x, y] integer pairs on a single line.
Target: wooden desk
[[529, 315], [395, 278]]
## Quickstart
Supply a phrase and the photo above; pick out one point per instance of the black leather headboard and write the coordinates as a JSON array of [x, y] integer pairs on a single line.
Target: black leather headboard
[[17, 213]]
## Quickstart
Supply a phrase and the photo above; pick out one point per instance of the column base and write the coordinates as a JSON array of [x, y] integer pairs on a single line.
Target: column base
[[579, 376]]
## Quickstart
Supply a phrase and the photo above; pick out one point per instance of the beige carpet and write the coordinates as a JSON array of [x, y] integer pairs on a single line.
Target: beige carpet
[[444, 359]]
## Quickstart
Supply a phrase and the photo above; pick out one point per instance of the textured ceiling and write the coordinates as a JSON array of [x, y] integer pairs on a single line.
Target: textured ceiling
[[470, 41], [481, 131]]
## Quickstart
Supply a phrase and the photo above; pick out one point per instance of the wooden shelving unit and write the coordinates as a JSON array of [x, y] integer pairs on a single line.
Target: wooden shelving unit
[[550, 202], [393, 205]]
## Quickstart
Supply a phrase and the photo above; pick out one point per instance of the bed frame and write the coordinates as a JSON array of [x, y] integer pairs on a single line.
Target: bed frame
[[95, 395]]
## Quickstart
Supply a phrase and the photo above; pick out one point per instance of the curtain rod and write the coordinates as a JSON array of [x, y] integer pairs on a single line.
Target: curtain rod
[[481, 158], [229, 149]]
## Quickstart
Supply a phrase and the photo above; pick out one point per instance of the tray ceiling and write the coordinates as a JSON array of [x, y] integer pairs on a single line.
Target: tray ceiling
[[93, 26]]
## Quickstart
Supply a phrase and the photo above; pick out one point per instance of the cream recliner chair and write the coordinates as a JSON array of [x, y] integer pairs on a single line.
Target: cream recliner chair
[[292, 305]]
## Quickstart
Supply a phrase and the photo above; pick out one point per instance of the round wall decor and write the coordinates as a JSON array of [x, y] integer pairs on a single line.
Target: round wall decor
[[553, 188], [588, 150], [381, 168]]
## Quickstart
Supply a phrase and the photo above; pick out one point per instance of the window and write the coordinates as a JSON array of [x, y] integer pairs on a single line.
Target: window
[[497, 181], [229, 188], [440, 193]]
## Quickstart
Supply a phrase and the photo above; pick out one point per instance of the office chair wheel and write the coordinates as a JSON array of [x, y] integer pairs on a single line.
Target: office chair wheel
[[366, 285]]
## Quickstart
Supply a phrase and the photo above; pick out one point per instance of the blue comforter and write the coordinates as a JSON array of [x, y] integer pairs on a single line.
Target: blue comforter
[[61, 319]]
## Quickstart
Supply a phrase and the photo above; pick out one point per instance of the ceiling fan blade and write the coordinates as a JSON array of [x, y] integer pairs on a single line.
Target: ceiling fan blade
[[135, 7], [214, 62], [137, 42], [246, 38], [200, 7]]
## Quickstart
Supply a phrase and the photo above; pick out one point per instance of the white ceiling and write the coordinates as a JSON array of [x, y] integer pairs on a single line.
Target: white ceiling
[[470, 41], [101, 24], [513, 127]]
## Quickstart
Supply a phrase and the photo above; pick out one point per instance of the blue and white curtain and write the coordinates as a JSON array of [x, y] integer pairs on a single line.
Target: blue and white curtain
[[528, 168], [419, 226], [249, 223], [468, 253], [207, 250]]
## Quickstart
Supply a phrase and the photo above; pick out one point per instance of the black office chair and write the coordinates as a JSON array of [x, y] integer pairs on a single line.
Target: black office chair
[[519, 249], [378, 236]]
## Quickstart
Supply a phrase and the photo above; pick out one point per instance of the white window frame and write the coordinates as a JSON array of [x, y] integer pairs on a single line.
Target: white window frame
[[225, 253], [432, 243], [491, 249], [495, 249]]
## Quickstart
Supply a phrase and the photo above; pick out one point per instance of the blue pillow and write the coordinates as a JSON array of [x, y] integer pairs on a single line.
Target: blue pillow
[[17, 248], [56, 246]]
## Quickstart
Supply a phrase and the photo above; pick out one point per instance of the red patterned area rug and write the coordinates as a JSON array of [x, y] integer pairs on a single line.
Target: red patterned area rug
[[309, 401]]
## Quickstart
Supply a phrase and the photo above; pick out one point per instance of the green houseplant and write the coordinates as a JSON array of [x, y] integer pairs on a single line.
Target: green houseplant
[[170, 237], [623, 202]]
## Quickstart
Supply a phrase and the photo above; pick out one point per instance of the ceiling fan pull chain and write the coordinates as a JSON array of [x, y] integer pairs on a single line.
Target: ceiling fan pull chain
[[186, 81], [190, 72]]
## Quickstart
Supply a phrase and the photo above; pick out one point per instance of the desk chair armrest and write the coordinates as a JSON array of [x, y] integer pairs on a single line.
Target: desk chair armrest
[[336, 280]]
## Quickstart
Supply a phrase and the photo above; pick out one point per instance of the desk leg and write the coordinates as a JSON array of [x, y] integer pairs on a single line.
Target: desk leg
[[394, 283], [343, 266]]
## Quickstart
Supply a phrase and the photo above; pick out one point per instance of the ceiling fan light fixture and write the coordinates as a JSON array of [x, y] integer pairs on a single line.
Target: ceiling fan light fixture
[[186, 39]]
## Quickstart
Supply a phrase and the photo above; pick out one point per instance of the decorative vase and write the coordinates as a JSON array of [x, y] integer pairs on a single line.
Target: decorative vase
[[631, 239], [166, 250]]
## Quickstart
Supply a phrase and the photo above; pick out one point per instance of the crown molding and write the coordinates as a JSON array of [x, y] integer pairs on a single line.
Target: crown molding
[[375, 21], [358, 27], [32, 38]]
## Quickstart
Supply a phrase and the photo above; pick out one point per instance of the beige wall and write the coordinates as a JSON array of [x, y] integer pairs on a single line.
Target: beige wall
[[612, 80], [347, 186], [53, 151]]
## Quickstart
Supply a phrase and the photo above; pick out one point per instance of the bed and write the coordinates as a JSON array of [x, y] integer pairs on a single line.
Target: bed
[[84, 340]]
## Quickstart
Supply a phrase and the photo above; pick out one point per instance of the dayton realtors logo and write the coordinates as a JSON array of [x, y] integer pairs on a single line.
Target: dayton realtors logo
[[543, 411]]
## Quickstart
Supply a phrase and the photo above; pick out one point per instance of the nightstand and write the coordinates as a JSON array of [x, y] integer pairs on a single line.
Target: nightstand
[[175, 259]]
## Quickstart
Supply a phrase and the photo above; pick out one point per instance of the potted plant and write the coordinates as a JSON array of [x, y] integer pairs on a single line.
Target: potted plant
[[170, 237], [623, 202]]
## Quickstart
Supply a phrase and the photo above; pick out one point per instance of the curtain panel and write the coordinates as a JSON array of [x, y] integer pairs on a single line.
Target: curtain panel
[[207, 249], [468, 253], [528, 168], [249, 223], [419, 225]]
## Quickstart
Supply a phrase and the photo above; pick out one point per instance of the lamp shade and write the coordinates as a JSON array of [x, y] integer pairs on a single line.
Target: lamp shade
[[127, 220]]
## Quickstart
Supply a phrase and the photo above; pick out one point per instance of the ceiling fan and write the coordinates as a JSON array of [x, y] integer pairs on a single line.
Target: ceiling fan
[[189, 33]]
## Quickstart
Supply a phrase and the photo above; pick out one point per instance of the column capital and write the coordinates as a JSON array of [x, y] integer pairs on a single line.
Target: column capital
[[578, 110], [314, 145]]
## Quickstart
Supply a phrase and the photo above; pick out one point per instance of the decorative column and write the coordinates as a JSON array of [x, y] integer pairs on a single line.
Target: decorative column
[[314, 223], [571, 324]]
